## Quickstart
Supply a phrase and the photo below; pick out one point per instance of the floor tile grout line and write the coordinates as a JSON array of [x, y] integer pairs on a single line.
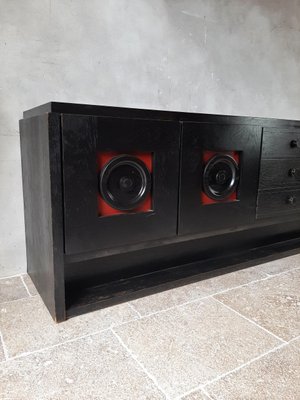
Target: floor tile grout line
[[135, 310], [295, 338], [206, 393], [160, 311], [251, 321], [26, 287], [196, 300], [10, 276], [217, 378], [135, 358], [5, 351], [223, 291], [16, 300], [280, 273], [203, 386], [192, 301], [26, 354], [267, 277], [191, 391], [197, 389], [68, 340]]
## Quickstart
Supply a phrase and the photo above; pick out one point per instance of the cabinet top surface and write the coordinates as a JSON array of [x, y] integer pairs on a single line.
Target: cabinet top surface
[[123, 112]]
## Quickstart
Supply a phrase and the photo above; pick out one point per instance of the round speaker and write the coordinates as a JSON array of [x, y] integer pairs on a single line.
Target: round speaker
[[220, 177], [125, 182]]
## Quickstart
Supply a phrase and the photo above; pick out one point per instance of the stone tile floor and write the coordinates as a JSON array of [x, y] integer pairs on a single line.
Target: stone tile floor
[[229, 336]]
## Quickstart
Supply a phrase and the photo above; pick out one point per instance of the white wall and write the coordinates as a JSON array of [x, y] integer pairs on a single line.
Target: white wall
[[214, 56]]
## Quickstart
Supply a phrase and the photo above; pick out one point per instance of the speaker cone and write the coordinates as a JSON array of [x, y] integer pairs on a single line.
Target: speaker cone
[[220, 177], [125, 182]]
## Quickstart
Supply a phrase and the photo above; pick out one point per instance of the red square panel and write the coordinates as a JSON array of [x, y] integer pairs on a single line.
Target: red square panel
[[207, 155], [105, 209]]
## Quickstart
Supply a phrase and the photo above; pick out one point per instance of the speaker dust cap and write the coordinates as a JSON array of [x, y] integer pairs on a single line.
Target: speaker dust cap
[[220, 177], [125, 182]]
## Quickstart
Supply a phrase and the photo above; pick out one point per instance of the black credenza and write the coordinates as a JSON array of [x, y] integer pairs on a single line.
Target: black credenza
[[121, 203]]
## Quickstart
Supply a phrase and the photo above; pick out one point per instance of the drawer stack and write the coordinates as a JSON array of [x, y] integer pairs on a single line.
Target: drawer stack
[[279, 181]]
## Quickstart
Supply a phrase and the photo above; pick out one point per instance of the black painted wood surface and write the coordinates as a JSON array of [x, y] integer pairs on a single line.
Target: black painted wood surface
[[83, 137], [281, 143], [197, 138], [274, 202], [279, 173], [43, 200], [122, 265], [80, 262], [123, 112], [85, 298]]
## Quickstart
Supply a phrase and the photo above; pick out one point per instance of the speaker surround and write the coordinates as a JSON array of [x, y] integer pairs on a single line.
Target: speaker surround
[[114, 186], [125, 182], [220, 177]]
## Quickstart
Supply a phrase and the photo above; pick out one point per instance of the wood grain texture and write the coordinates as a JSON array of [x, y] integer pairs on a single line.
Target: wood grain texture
[[123, 112], [198, 138], [80, 262], [277, 143], [41, 172], [83, 137], [279, 173], [278, 202], [82, 298]]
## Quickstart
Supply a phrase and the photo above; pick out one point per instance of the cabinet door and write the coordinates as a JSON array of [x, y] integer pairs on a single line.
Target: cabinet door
[[105, 162], [215, 156]]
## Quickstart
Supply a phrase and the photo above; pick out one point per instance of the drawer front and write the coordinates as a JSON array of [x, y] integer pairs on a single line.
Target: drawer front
[[279, 173], [281, 143], [274, 202]]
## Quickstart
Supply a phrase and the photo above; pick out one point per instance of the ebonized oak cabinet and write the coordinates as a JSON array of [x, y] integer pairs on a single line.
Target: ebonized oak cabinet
[[121, 203]]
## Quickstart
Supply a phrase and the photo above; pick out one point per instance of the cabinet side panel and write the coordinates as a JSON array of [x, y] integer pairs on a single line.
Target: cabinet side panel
[[41, 172]]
